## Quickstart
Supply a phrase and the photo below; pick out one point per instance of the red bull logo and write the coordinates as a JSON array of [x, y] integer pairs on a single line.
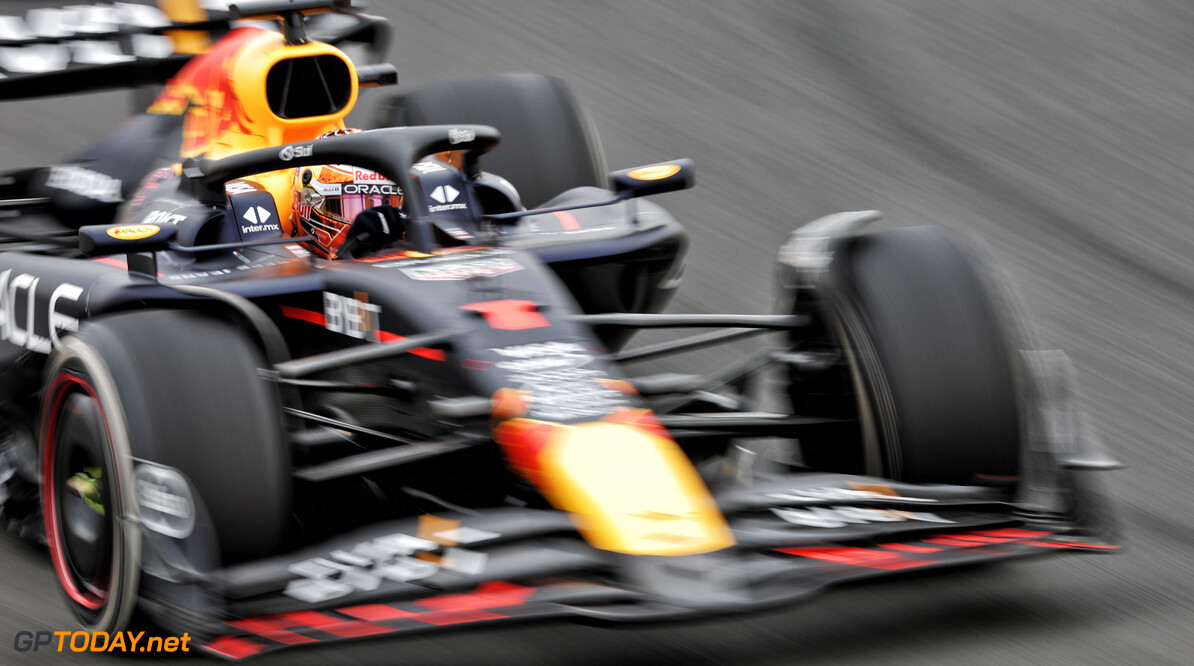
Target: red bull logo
[[366, 176], [203, 90]]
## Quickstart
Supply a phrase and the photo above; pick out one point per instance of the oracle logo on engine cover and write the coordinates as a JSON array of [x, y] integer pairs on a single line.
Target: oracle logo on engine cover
[[17, 322]]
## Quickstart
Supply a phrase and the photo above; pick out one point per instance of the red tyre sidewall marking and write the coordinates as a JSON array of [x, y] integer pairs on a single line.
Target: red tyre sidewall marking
[[58, 393]]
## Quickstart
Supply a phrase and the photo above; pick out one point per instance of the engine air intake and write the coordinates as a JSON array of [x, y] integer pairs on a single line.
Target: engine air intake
[[306, 87]]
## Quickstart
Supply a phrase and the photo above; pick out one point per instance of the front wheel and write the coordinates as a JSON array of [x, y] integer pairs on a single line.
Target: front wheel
[[88, 493], [930, 356], [157, 432]]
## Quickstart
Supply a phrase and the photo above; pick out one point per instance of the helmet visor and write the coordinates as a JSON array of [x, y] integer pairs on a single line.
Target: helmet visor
[[348, 206]]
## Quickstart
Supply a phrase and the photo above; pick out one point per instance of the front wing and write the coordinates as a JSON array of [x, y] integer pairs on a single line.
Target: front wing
[[797, 534]]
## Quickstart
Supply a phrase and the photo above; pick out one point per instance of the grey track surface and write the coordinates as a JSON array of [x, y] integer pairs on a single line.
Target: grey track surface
[[1059, 132]]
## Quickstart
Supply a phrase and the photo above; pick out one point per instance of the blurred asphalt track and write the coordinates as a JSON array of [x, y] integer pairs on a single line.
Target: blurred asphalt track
[[1060, 132]]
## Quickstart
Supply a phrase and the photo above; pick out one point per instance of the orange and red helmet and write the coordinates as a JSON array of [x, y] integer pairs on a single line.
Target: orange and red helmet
[[328, 198]]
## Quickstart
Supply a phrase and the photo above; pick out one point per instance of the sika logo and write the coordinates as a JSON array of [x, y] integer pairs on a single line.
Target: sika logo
[[459, 135], [290, 152]]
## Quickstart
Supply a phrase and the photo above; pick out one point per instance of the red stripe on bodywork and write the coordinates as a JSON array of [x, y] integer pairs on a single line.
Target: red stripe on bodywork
[[376, 612], [509, 314], [498, 594], [451, 609], [118, 263], [274, 627], [909, 548], [342, 628], [304, 315], [433, 354], [383, 336], [981, 540], [113, 261], [859, 557], [956, 542], [234, 647], [567, 220]]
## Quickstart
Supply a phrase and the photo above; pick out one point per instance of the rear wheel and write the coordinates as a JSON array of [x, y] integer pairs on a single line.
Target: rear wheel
[[156, 421], [929, 357], [548, 143]]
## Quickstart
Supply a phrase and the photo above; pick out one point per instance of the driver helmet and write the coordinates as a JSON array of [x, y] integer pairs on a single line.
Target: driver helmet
[[327, 198]]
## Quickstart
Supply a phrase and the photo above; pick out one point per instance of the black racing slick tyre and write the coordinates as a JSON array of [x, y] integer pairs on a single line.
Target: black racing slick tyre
[[548, 143], [155, 428], [930, 357]]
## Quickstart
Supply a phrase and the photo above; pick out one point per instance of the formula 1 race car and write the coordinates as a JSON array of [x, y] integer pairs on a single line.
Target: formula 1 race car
[[220, 433]]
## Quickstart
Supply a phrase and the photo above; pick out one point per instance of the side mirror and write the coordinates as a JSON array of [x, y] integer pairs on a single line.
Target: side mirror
[[100, 240], [653, 179], [626, 184], [372, 76]]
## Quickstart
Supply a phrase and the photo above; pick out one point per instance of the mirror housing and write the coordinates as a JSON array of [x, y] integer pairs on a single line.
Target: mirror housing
[[101, 240], [653, 179]]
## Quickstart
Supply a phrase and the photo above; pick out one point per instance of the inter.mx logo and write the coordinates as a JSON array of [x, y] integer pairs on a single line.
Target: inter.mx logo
[[446, 195], [257, 218]]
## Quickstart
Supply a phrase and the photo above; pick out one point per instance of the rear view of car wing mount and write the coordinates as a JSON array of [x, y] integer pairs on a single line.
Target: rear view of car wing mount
[[291, 14]]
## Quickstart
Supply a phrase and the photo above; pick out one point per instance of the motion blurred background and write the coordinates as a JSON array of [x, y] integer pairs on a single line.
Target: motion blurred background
[[1059, 132]]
